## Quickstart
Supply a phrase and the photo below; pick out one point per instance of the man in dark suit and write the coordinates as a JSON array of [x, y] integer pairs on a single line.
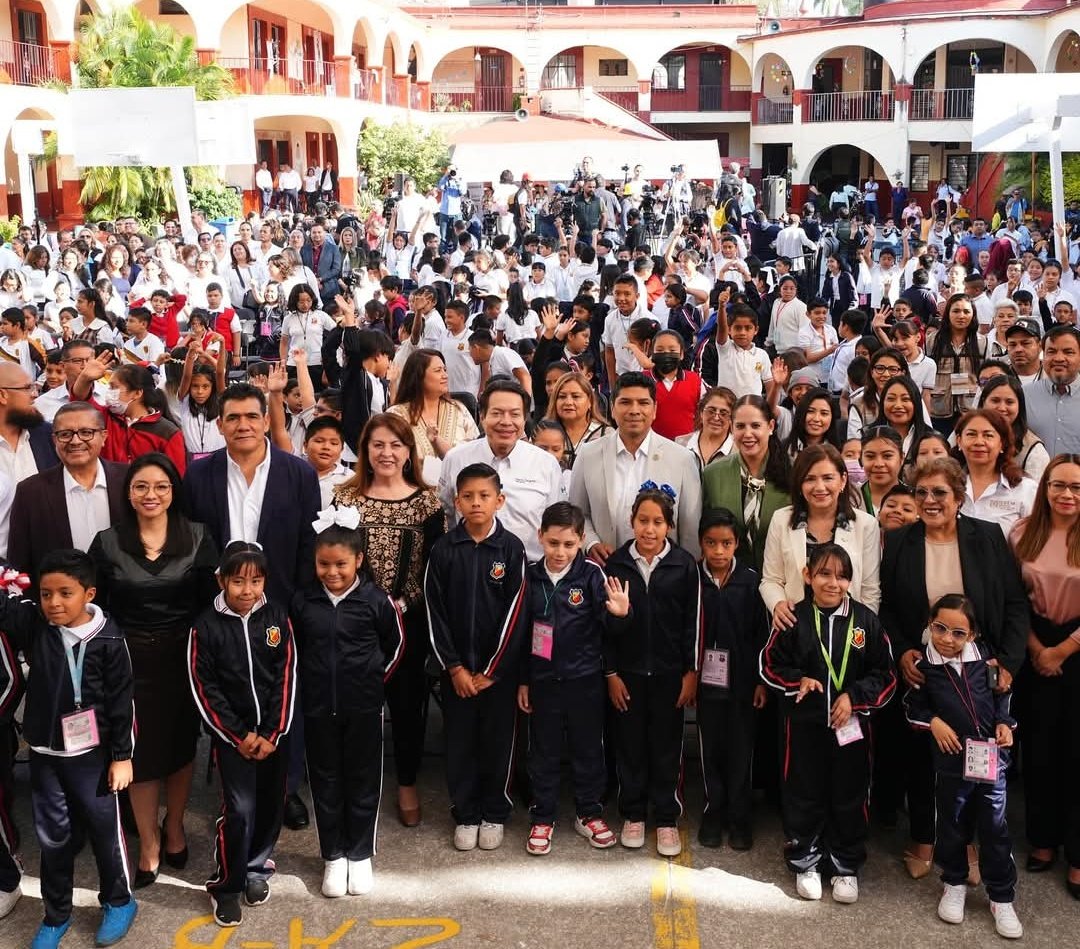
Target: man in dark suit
[[26, 445], [65, 506], [251, 491], [324, 258]]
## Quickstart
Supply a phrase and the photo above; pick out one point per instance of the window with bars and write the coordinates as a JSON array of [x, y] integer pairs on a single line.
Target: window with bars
[[614, 67], [560, 72], [919, 179], [958, 171], [670, 72]]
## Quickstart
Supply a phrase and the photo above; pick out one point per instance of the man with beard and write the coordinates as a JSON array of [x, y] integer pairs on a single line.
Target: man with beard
[[26, 446]]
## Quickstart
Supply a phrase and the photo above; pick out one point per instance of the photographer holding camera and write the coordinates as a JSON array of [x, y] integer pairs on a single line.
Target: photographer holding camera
[[679, 193], [450, 188]]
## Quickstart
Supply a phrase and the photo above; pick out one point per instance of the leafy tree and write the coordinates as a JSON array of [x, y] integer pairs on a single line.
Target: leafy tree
[[386, 150], [1018, 175], [122, 48]]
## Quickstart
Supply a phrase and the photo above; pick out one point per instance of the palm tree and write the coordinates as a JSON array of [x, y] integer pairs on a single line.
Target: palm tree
[[124, 49]]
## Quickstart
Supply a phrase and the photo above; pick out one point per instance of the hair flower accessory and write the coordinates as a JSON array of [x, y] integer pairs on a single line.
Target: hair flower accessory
[[662, 488], [14, 582], [347, 517]]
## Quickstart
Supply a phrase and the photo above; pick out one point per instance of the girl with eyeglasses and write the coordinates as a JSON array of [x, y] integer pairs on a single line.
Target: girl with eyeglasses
[[865, 406], [1047, 544], [943, 552]]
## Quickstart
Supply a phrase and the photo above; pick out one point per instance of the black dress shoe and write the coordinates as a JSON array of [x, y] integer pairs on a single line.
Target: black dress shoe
[[711, 833], [740, 838], [143, 878], [296, 813], [176, 860], [1037, 864]]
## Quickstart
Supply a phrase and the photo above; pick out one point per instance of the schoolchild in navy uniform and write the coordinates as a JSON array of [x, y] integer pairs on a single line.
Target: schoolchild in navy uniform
[[835, 667], [349, 638], [652, 665], [730, 690], [562, 682], [972, 728], [12, 688], [79, 722], [242, 667], [475, 588]]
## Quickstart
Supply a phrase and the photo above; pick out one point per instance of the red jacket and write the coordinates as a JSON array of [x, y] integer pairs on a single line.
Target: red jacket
[[127, 441], [222, 324], [165, 326]]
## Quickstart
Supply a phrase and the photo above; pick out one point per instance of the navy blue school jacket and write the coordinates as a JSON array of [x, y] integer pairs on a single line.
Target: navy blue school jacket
[[12, 685], [475, 597], [345, 652], [242, 671], [791, 654], [945, 695], [735, 619], [107, 684], [576, 609], [663, 635]]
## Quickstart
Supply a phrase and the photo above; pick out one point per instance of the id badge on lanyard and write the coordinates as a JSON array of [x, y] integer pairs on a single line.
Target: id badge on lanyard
[[715, 670], [79, 728], [980, 761]]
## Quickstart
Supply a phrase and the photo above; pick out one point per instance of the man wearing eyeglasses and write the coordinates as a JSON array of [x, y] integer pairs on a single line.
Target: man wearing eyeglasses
[[26, 446], [73, 357], [66, 506]]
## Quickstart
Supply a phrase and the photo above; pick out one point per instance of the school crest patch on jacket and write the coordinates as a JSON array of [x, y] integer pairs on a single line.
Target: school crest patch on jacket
[[858, 637], [498, 570], [273, 635], [576, 598]]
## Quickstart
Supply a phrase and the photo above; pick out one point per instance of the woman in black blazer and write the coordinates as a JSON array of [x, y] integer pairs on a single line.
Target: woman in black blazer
[[838, 290], [958, 547]]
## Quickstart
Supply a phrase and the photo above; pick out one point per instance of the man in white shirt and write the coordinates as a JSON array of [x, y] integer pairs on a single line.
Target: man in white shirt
[[264, 183], [407, 210], [73, 357], [25, 445], [289, 184], [67, 505], [792, 242], [530, 476]]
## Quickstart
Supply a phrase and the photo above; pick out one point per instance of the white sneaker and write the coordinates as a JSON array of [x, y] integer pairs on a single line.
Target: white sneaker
[[1005, 921], [951, 906], [361, 877], [845, 889], [808, 885], [633, 834], [668, 841], [335, 878], [490, 836], [8, 901], [465, 836]]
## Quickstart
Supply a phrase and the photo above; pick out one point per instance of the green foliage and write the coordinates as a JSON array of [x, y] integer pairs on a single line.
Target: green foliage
[[1018, 175], [124, 49], [9, 227], [216, 201], [386, 150]]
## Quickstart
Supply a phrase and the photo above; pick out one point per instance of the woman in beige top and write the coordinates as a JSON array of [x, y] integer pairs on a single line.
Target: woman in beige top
[[423, 400], [1047, 544]]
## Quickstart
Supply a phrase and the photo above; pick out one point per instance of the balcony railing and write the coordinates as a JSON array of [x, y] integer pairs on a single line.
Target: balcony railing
[[625, 97], [471, 98], [258, 77], [941, 104], [708, 98], [773, 112], [25, 64], [871, 106]]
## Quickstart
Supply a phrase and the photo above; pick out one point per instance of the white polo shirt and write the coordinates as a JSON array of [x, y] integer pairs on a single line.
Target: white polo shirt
[[743, 371]]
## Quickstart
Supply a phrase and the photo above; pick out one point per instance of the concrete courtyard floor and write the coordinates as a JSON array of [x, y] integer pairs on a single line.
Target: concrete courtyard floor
[[428, 894]]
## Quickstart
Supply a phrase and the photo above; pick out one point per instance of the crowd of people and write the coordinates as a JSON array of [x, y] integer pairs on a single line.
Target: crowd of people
[[256, 490]]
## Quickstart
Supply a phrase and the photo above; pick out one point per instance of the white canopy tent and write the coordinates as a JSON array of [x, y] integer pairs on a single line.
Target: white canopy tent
[[1029, 113], [554, 159]]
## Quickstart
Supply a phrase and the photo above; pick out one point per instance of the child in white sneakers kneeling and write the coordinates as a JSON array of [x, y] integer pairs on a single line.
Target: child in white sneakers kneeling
[[563, 688], [972, 728]]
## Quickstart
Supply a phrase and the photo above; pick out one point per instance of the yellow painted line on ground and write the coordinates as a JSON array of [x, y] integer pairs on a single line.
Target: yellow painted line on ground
[[674, 910]]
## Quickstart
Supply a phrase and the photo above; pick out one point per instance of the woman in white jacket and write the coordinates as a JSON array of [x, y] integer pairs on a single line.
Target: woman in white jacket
[[821, 512]]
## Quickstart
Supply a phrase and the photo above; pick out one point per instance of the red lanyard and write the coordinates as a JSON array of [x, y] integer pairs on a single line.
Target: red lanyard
[[969, 703]]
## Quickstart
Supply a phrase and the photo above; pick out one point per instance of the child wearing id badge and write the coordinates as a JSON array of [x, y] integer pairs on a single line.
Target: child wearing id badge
[[730, 691], [80, 724], [652, 664], [567, 605], [242, 670], [972, 727], [835, 668]]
